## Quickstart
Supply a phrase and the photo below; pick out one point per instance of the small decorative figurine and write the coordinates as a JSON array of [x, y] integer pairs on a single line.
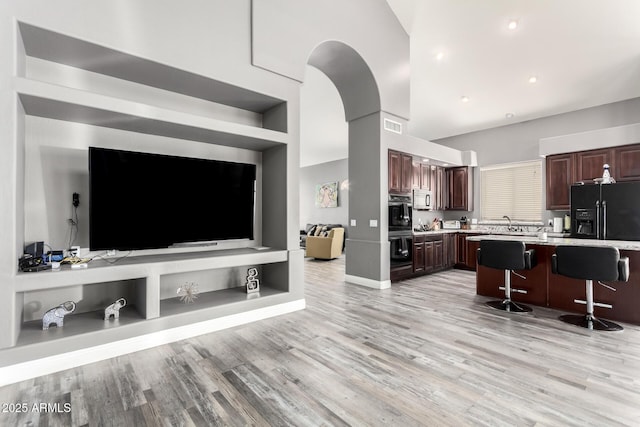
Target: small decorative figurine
[[55, 316], [253, 284], [188, 292], [114, 309]]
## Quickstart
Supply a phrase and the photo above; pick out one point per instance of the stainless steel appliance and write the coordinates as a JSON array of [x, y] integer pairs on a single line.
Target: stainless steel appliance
[[606, 211], [451, 225], [422, 200], [399, 213]]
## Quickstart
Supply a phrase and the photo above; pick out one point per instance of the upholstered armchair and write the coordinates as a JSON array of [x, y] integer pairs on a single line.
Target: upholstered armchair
[[328, 247]]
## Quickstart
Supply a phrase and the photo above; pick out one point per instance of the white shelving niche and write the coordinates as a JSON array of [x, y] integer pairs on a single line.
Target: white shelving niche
[[245, 120]]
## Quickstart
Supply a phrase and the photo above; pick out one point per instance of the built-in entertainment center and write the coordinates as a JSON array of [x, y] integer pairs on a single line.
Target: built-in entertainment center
[[194, 178]]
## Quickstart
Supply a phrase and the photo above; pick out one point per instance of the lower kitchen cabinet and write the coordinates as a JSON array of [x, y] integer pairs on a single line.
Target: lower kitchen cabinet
[[466, 255], [429, 253]]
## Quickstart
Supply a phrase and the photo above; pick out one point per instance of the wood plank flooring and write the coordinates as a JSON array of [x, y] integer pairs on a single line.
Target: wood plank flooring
[[426, 352]]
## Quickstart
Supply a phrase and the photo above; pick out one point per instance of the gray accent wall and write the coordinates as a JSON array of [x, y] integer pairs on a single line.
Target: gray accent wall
[[310, 176], [520, 141]]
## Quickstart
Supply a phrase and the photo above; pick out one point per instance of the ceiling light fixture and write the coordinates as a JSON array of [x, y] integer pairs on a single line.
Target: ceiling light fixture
[[513, 24], [464, 99], [533, 79], [439, 56], [509, 115]]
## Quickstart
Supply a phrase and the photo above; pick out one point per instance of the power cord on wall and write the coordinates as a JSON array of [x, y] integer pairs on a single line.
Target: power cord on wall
[[73, 221]]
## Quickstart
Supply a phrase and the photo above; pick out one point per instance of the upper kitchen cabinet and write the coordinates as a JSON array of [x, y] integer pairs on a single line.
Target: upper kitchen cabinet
[[627, 163], [565, 169], [400, 172], [559, 180], [460, 185], [589, 163], [439, 188], [421, 175]]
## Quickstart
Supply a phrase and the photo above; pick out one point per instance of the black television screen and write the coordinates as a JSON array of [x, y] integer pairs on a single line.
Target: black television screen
[[149, 201]]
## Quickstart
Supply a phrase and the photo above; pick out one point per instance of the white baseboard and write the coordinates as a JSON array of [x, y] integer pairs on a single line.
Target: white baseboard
[[48, 365], [369, 283]]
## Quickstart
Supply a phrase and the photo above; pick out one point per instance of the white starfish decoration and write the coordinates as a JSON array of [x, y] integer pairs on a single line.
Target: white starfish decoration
[[188, 292]]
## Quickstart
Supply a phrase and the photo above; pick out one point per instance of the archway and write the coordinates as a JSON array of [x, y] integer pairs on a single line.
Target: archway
[[367, 248]]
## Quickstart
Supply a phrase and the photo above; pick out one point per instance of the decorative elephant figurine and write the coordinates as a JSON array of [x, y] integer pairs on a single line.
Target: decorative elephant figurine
[[56, 315], [114, 309]]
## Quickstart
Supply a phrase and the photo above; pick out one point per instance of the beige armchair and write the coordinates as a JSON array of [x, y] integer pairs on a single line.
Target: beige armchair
[[326, 247]]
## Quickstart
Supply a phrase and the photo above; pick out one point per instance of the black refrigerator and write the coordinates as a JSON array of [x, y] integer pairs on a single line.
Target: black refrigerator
[[606, 211]]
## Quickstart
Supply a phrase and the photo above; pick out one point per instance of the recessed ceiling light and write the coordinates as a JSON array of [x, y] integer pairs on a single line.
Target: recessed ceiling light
[[464, 99], [439, 56], [509, 115], [513, 24], [533, 79]]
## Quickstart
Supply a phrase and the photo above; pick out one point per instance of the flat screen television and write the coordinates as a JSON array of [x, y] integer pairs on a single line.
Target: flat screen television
[[149, 201]]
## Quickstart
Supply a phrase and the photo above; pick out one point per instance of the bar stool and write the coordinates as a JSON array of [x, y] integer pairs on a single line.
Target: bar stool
[[600, 263], [507, 255]]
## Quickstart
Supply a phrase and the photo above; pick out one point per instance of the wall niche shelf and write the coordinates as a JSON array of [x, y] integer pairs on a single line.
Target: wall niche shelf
[[52, 46], [73, 105]]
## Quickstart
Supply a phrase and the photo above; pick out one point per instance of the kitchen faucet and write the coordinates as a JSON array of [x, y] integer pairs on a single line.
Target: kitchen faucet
[[508, 219]]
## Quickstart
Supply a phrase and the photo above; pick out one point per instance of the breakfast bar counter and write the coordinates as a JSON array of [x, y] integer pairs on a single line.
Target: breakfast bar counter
[[543, 288]]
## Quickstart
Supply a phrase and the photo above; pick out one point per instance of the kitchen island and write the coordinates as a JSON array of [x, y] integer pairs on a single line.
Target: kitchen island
[[555, 291]]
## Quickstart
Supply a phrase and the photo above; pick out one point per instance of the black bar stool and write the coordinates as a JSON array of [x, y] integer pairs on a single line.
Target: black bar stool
[[507, 255], [600, 263]]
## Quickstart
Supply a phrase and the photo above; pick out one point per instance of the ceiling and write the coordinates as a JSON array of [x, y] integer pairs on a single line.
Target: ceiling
[[584, 53]]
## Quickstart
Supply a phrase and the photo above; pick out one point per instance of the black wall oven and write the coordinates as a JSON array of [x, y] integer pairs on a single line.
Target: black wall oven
[[399, 213], [400, 232], [401, 248]]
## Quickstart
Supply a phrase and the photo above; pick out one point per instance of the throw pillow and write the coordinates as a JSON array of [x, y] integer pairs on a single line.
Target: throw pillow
[[312, 230]]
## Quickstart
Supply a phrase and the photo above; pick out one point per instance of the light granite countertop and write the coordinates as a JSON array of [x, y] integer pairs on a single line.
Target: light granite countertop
[[557, 241]]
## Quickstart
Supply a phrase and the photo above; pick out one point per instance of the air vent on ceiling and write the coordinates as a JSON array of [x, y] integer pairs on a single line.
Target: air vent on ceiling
[[392, 126]]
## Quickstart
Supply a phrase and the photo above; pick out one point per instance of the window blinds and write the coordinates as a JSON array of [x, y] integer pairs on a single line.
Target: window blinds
[[513, 189]]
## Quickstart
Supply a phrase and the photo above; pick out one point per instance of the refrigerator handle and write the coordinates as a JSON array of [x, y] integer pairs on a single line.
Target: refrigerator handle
[[597, 219], [604, 219]]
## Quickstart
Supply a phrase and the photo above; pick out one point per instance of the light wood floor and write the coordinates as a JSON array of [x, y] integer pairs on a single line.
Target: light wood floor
[[425, 352]]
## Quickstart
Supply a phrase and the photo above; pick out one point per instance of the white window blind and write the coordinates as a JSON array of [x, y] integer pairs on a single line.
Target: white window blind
[[513, 189]]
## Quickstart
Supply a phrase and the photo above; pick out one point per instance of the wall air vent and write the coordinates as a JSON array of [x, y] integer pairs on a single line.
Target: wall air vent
[[392, 126]]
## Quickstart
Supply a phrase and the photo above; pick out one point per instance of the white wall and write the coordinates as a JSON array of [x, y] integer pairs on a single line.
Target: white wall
[[324, 133], [311, 176]]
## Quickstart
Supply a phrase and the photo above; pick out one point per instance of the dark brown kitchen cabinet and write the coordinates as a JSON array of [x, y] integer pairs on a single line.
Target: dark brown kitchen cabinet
[[400, 170], [460, 188], [428, 254], [565, 169], [421, 176], [418, 257], [466, 255], [439, 188], [627, 161], [589, 164], [461, 253], [472, 255], [449, 249], [438, 255], [559, 179]]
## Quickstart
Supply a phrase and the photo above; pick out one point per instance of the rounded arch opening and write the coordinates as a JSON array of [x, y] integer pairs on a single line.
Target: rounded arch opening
[[351, 75]]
